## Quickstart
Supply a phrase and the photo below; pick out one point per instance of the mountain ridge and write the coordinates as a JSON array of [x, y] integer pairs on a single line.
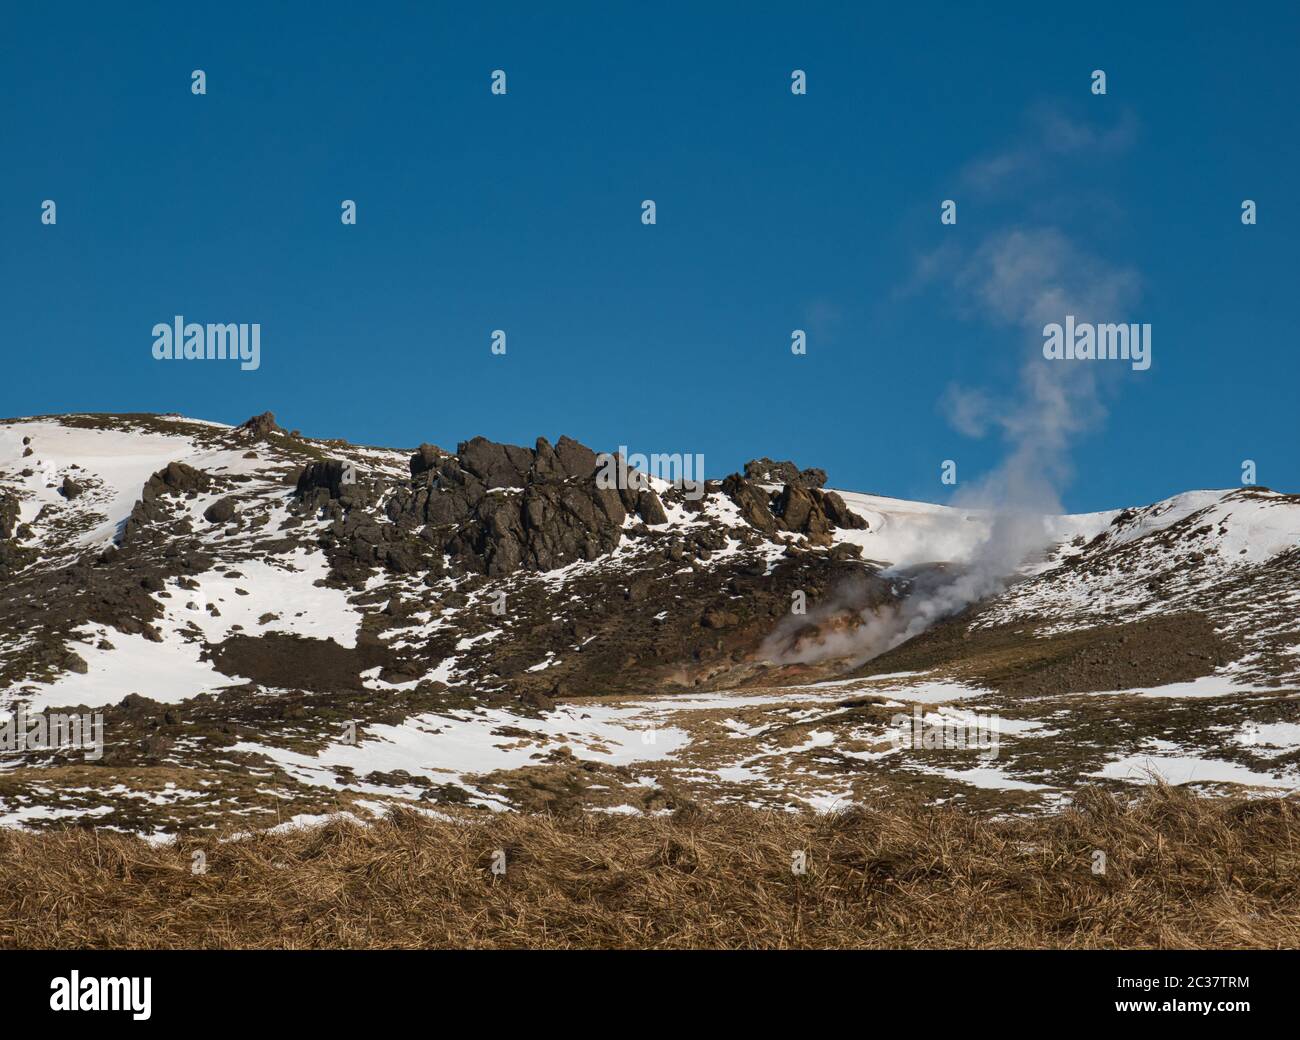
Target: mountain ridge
[[233, 598]]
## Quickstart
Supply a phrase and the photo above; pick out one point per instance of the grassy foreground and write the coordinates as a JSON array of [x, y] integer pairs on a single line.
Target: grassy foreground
[[1180, 871]]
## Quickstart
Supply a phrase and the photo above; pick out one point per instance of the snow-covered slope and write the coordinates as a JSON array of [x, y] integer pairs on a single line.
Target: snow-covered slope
[[1233, 556], [331, 622], [903, 534]]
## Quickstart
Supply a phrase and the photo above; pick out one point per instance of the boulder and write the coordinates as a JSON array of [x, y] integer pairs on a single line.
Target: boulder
[[8, 515], [222, 511], [546, 463], [259, 427], [577, 459], [650, 509], [752, 501], [176, 478], [767, 471], [426, 457], [327, 475], [496, 465], [795, 507], [839, 514]]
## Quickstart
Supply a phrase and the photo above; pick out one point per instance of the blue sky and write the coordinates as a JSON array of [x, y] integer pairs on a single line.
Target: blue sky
[[775, 212]]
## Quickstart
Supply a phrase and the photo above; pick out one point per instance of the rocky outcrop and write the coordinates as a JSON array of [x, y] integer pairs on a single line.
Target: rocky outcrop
[[495, 465], [501, 507], [766, 471], [577, 460], [176, 478], [494, 509], [490, 509], [259, 427], [753, 502], [8, 515], [797, 511], [425, 458], [12, 556], [797, 508], [839, 514], [649, 508], [331, 476]]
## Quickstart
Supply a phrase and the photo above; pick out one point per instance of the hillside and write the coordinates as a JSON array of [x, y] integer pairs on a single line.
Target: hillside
[[277, 628]]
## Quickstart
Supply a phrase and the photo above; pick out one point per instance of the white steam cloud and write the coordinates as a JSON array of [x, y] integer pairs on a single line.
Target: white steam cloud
[[1020, 279]]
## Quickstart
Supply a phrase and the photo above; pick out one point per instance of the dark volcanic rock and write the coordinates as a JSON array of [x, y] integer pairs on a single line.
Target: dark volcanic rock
[[577, 459], [175, 479], [568, 522], [546, 463], [650, 509], [752, 501], [327, 475], [497, 465], [492, 508], [766, 471], [795, 507], [259, 427], [425, 458], [11, 555], [8, 515], [222, 511], [840, 514], [70, 489]]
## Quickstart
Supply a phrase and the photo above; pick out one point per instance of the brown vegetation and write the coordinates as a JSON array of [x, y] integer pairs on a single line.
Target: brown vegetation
[[1181, 871]]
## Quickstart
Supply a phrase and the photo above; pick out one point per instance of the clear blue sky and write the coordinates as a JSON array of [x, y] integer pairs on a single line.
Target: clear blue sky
[[775, 212]]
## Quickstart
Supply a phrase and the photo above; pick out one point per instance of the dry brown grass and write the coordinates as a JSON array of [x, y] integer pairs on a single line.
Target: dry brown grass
[[1182, 871]]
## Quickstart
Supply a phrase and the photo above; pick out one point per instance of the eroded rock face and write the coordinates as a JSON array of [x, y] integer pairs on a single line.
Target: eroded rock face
[[490, 508], [259, 427], [839, 514], [12, 555], [766, 471], [796, 508], [650, 509], [494, 509], [328, 476], [8, 515], [425, 458], [577, 459], [496, 465], [752, 501], [176, 478]]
